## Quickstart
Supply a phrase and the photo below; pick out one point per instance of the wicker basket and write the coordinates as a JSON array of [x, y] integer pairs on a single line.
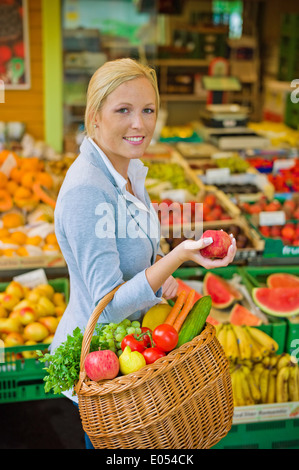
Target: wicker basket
[[182, 401]]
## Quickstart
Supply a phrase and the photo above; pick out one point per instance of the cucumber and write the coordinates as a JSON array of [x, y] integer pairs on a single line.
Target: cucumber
[[195, 321]]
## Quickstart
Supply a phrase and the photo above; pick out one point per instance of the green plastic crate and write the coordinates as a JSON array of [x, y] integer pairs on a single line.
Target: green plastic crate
[[283, 434], [21, 379]]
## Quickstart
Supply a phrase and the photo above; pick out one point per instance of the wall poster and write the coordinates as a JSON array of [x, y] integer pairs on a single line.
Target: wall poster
[[14, 45]]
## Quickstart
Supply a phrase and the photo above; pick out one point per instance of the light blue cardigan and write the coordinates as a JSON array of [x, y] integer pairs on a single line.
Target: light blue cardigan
[[96, 265]]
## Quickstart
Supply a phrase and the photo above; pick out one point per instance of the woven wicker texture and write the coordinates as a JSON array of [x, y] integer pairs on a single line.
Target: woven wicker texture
[[182, 401]]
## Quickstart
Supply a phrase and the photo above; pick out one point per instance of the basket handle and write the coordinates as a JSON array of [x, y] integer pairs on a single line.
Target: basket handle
[[89, 330]]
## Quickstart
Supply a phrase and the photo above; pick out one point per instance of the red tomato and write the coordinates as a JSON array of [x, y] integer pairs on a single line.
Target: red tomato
[[133, 343], [165, 337], [152, 354]]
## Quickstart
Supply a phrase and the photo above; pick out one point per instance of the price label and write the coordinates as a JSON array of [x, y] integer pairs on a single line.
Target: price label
[[217, 175], [272, 218], [32, 278], [8, 164], [283, 164]]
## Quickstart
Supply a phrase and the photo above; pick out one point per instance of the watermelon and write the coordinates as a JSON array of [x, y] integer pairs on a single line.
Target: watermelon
[[282, 280], [223, 294], [182, 286], [240, 315], [277, 301]]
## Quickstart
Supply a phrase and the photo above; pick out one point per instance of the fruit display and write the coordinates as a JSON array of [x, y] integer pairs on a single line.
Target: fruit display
[[20, 186], [259, 374], [286, 180], [277, 296], [28, 190], [288, 233], [178, 133], [29, 315], [34, 238], [279, 134], [163, 176]]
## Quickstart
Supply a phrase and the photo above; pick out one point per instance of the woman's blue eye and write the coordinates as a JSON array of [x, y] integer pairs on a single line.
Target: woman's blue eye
[[122, 110], [149, 110]]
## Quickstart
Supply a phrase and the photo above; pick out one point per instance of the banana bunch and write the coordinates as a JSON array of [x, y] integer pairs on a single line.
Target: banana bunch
[[275, 379], [241, 343]]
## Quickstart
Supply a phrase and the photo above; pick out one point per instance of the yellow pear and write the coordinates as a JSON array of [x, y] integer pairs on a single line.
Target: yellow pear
[[3, 312], [15, 289], [45, 307], [33, 296], [29, 354], [24, 303], [9, 301], [10, 325], [45, 290], [13, 339], [58, 299]]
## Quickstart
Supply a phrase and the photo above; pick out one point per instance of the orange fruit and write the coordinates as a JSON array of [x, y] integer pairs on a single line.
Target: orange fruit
[[18, 237], [11, 186], [36, 240], [9, 252], [22, 251], [28, 179], [3, 180], [4, 233], [7, 240], [45, 179], [51, 239], [16, 174], [6, 202], [30, 164], [12, 220]]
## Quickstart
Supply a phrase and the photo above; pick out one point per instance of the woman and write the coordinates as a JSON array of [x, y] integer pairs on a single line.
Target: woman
[[105, 224]]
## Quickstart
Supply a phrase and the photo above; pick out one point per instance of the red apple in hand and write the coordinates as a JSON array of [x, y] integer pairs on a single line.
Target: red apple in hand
[[100, 365], [220, 245]]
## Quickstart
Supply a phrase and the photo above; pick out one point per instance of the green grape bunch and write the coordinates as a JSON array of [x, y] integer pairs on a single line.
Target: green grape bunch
[[113, 334]]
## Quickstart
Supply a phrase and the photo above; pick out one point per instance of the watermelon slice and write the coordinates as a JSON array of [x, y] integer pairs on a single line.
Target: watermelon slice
[[223, 294], [277, 301], [282, 280], [184, 287], [212, 320], [240, 315]]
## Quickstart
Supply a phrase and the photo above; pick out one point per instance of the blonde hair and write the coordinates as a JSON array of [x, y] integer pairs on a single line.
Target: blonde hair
[[107, 78]]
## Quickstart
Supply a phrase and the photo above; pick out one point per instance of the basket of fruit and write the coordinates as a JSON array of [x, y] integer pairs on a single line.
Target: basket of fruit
[[176, 394]]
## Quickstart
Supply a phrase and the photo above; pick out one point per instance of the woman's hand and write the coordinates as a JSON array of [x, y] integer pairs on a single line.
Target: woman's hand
[[169, 288], [189, 250]]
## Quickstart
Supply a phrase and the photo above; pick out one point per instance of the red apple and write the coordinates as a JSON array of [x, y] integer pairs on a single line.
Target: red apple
[[220, 245], [100, 365]]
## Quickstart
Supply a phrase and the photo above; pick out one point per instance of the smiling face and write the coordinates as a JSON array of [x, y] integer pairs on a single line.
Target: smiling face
[[126, 122]]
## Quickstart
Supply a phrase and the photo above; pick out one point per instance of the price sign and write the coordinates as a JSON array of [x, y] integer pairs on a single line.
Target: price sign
[[283, 164], [217, 175], [32, 278], [272, 218]]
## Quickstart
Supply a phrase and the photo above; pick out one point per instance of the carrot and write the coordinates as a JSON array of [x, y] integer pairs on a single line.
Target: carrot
[[176, 308], [185, 310]]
